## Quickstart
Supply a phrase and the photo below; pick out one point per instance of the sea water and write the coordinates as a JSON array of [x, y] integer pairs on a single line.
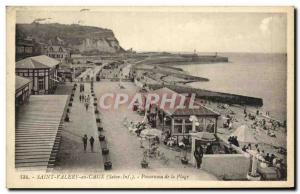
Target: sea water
[[257, 75]]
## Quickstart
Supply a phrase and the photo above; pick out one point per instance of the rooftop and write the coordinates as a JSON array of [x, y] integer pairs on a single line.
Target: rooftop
[[21, 81], [56, 48], [201, 111], [182, 111], [37, 62]]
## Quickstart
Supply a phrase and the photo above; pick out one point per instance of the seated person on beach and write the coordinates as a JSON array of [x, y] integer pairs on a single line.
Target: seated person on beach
[[236, 142], [275, 160], [271, 133], [225, 124], [251, 117], [244, 149], [249, 147], [267, 157], [233, 140], [271, 159], [230, 139]]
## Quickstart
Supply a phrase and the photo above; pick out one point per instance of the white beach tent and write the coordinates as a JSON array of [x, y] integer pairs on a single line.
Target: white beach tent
[[244, 134]]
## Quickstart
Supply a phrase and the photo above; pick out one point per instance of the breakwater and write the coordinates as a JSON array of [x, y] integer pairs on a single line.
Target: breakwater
[[181, 60], [213, 96]]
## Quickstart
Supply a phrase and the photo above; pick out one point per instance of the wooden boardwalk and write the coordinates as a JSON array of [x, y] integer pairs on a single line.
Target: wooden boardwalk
[[38, 131]]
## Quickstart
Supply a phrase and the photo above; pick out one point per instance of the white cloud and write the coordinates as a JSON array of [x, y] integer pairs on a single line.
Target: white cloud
[[264, 25]]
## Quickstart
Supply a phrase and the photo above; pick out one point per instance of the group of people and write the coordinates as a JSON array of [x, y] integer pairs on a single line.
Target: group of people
[[228, 122], [85, 99], [85, 140], [270, 125], [233, 140], [268, 160]]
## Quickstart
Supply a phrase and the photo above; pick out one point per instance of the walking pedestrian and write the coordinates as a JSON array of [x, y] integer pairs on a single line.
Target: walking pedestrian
[[86, 106], [198, 154], [79, 97], [92, 140], [80, 88], [84, 139]]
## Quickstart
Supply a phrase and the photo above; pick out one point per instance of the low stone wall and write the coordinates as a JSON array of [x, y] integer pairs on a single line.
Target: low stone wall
[[227, 166]]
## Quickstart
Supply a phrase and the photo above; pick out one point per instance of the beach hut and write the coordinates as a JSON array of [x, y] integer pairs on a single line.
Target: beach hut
[[244, 134]]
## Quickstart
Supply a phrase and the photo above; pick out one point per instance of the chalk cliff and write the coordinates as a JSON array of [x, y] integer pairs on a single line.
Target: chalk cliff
[[83, 38]]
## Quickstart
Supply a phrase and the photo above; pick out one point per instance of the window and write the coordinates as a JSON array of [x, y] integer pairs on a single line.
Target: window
[[20, 49], [28, 49], [51, 49], [178, 126], [188, 125], [60, 49], [41, 83]]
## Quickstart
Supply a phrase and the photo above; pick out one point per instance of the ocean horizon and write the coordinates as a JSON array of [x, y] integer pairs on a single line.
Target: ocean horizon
[[262, 75]]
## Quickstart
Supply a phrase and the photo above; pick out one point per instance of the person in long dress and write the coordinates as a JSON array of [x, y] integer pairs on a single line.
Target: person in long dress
[[92, 140], [84, 139]]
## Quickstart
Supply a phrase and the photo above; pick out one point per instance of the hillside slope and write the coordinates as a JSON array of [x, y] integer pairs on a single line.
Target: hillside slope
[[83, 38]]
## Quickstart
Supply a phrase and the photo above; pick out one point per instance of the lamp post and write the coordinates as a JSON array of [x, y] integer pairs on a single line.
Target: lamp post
[[253, 175], [73, 67], [195, 123], [164, 120]]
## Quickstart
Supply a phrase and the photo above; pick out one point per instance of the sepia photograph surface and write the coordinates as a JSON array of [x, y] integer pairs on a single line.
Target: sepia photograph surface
[[150, 97]]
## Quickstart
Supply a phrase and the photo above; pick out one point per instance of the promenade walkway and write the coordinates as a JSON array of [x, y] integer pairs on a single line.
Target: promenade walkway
[[125, 151], [72, 157]]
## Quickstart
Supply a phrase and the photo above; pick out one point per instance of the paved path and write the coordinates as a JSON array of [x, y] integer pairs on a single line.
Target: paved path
[[72, 156], [125, 151]]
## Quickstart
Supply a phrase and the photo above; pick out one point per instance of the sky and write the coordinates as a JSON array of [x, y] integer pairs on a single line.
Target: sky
[[179, 31]]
